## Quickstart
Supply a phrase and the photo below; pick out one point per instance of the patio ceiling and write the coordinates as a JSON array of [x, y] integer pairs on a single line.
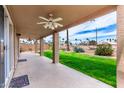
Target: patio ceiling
[[25, 17]]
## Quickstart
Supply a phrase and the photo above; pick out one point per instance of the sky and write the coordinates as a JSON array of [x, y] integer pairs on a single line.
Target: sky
[[105, 25]]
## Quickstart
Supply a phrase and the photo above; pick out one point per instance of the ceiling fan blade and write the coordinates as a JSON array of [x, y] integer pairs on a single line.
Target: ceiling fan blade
[[57, 19], [42, 23], [58, 24], [46, 25], [44, 18], [55, 25]]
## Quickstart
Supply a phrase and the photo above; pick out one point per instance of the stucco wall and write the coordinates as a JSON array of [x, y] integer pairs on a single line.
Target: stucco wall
[[31, 47], [120, 46]]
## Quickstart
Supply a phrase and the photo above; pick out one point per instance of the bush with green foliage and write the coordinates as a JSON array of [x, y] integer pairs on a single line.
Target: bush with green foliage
[[104, 50], [64, 49], [78, 49]]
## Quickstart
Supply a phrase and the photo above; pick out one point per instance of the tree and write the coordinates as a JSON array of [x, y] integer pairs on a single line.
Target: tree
[[96, 30], [110, 39], [81, 42], [76, 41], [92, 42], [107, 39], [63, 40], [88, 41]]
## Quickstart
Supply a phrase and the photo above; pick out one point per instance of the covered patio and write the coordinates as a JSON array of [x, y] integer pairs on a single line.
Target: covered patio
[[42, 73], [40, 70], [27, 27]]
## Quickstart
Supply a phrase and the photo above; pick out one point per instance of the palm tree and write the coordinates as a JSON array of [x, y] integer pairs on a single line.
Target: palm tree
[[81, 42], [63, 40], [110, 39], [96, 30], [76, 41], [88, 41], [107, 39]]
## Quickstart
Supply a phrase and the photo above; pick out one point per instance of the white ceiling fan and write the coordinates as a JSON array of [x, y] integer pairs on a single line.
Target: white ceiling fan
[[50, 23]]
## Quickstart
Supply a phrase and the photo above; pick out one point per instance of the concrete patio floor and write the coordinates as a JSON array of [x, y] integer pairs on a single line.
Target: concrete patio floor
[[43, 74]]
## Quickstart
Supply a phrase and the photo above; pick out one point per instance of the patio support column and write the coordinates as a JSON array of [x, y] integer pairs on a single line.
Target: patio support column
[[18, 47], [55, 47], [41, 46], [68, 49], [18, 44], [36, 46], [120, 46]]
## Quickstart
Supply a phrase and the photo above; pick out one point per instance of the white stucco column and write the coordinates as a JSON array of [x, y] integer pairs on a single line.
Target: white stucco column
[[120, 46], [55, 47], [41, 47]]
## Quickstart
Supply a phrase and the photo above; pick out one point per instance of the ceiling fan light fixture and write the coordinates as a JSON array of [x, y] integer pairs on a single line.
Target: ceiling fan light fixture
[[45, 26], [55, 25], [50, 23], [52, 28]]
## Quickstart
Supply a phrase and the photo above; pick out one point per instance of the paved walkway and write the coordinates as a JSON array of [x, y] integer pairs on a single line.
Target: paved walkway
[[43, 74]]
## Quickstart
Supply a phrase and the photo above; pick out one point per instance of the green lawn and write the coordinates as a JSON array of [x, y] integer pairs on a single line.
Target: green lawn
[[101, 68]]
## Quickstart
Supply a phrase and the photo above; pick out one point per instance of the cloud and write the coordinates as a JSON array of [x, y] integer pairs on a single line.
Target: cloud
[[93, 35], [106, 29], [100, 22], [106, 26]]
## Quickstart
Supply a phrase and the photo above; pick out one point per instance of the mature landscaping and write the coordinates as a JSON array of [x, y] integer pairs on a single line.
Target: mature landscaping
[[99, 67]]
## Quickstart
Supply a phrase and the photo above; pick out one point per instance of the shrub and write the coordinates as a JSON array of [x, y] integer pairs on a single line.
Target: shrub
[[64, 49], [104, 50], [76, 49]]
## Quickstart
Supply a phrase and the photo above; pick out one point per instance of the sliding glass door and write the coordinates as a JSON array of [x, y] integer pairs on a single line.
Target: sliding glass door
[[2, 79]]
